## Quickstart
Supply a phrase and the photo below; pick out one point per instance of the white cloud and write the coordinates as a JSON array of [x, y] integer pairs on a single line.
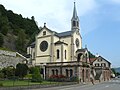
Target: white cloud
[[85, 6], [56, 13]]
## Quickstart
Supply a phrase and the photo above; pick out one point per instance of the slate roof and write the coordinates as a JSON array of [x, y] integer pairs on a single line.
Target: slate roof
[[32, 45], [59, 42], [92, 60], [81, 50], [64, 34]]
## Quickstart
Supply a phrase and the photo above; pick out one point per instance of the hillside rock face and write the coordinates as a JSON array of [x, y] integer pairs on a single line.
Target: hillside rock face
[[8, 58], [12, 27]]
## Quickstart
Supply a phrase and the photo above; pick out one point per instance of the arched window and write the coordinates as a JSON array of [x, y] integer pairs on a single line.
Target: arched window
[[67, 72], [65, 54], [74, 23], [58, 52], [56, 72], [71, 72], [87, 73], [53, 73]]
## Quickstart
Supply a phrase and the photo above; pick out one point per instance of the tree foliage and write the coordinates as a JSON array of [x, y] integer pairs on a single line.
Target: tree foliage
[[15, 24], [36, 76], [20, 42], [8, 72], [1, 40], [21, 70]]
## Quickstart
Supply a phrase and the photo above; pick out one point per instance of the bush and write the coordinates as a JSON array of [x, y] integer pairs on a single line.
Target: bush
[[57, 78], [74, 79], [1, 75], [1, 84], [21, 70], [8, 72], [36, 77]]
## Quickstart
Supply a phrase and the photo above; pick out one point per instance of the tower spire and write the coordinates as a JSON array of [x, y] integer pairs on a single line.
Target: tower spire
[[75, 12], [75, 19]]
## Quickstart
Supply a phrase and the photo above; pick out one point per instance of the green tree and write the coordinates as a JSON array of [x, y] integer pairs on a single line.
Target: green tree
[[21, 41], [36, 77], [1, 74], [1, 40], [23, 29], [8, 72], [21, 70], [4, 25], [113, 70]]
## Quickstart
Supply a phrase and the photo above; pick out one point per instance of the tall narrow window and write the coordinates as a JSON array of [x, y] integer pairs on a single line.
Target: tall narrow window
[[71, 72], [65, 54], [58, 54], [53, 73], [86, 58], [87, 73], [67, 72], [74, 23], [77, 24], [33, 55], [56, 72]]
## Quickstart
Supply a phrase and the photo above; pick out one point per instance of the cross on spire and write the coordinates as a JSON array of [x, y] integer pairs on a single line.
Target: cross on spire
[[75, 19]]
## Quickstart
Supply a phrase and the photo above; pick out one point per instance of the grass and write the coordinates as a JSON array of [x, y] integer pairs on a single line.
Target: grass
[[10, 83]]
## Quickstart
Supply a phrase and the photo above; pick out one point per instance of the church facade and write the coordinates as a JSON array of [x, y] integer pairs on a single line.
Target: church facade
[[61, 53]]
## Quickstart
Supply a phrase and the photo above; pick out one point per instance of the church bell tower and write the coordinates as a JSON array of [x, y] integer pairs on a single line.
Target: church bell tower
[[74, 20]]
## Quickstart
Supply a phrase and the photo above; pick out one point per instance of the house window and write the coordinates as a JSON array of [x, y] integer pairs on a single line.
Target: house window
[[99, 60], [58, 52], [95, 64], [65, 54], [44, 33], [98, 65], [103, 65]]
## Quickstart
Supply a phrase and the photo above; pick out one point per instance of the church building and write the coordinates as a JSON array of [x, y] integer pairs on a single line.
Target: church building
[[61, 53]]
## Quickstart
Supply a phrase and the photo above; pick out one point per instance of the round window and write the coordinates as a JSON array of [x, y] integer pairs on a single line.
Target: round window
[[43, 46]]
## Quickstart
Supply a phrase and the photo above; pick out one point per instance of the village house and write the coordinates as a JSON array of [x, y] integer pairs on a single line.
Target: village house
[[102, 68]]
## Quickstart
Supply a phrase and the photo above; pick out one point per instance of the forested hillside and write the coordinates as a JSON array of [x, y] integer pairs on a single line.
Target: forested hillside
[[16, 32]]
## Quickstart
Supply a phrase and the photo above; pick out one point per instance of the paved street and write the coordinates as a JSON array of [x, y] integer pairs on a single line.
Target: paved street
[[111, 85]]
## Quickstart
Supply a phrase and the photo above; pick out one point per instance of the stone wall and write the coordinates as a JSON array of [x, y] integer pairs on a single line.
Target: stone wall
[[7, 53], [8, 58]]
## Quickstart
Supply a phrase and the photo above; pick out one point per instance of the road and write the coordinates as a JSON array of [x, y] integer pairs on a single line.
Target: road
[[111, 85]]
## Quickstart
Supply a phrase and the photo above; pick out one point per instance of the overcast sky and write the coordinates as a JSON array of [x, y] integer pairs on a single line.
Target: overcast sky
[[99, 21]]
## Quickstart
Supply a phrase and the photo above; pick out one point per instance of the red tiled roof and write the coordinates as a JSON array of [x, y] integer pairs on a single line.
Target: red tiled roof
[[92, 60]]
